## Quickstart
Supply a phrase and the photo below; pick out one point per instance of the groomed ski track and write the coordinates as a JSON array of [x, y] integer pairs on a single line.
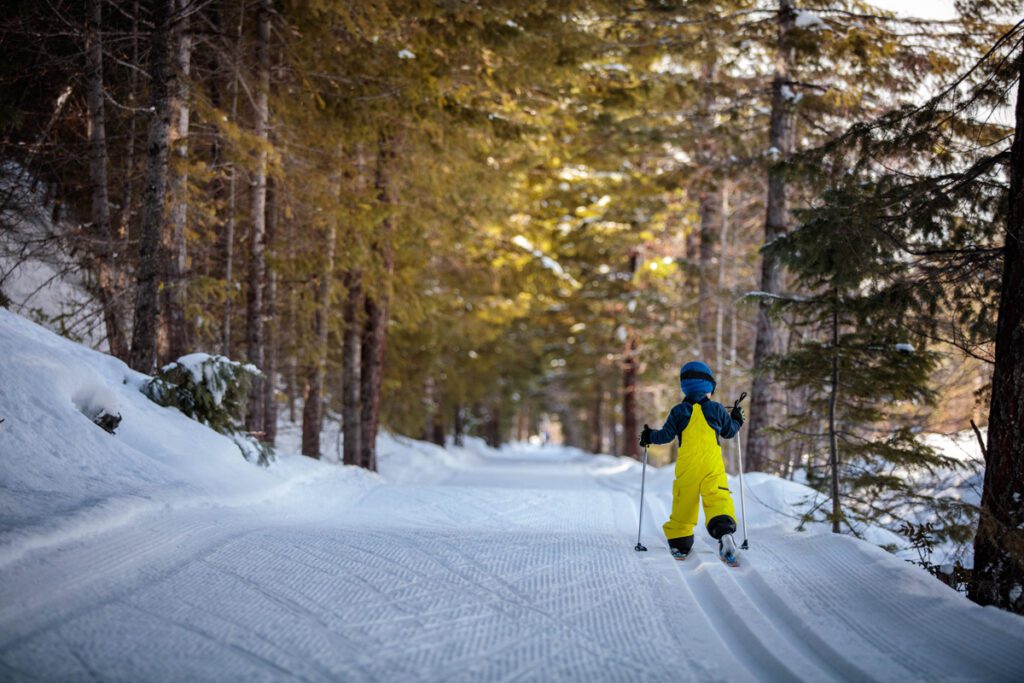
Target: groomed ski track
[[512, 568]]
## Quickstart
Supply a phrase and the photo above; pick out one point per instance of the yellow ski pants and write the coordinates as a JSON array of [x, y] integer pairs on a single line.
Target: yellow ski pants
[[700, 476]]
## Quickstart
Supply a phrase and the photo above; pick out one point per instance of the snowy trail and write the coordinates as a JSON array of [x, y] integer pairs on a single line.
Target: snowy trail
[[512, 568]]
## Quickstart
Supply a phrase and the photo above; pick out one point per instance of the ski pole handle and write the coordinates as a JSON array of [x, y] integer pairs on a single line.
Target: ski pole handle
[[737, 403]]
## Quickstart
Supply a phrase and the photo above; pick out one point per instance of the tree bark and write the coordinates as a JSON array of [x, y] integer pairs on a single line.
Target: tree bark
[[764, 394], [376, 307], [313, 408], [630, 429], [102, 232], [723, 240], [998, 576], [178, 337], [709, 204], [595, 420], [150, 273], [710, 209], [255, 341], [272, 328], [351, 419], [833, 445], [458, 425], [127, 183], [630, 368]]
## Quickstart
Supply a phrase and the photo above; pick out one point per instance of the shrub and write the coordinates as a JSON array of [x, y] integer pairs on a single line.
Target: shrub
[[213, 390]]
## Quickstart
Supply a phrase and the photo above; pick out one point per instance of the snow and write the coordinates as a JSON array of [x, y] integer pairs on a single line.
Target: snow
[[96, 400], [406, 54], [159, 554], [546, 261], [808, 20]]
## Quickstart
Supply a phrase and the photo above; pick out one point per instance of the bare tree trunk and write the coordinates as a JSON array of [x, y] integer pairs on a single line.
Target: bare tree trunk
[[371, 366], [351, 420], [255, 341], [128, 184], [723, 240], [710, 209], [630, 430], [290, 361], [595, 421], [272, 329], [630, 368], [999, 544], [492, 429], [313, 409], [178, 337], [764, 394], [150, 272], [458, 426], [102, 233], [833, 446], [376, 306]]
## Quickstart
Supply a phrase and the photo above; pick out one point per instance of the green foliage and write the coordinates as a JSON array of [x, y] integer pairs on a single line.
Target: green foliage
[[213, 390]]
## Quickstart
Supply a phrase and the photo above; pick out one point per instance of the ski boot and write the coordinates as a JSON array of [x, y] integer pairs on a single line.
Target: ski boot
[[727, 550], [680, 547]]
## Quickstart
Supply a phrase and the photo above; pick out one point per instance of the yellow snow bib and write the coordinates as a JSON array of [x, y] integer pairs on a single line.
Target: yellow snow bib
[[700, 475]]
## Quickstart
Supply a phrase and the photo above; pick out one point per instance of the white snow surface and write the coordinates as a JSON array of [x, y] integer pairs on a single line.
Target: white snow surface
[[808, 20], [159, 554]]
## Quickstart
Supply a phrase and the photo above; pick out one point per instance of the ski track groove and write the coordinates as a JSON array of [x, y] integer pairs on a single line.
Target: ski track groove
[[984, 655], [735, 633], [511, 570], [779, 618]]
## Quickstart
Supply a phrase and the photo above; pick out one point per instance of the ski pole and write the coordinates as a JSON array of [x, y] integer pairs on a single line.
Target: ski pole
[[743, 504], [643, 478]]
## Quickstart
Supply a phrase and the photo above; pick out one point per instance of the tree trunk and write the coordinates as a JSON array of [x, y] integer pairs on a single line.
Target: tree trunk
[[350, 380], [764, 394], [371, 369], [313, 409], [630, 431], [458, 426], [595, 421], [128, 184], [833, 446], [998, 575], [232, 197], [376, 306], [492, 429], [257, 235], [178, 336], [272, 328], [723, 240], [710, 209], [150, 273], [102, 233]]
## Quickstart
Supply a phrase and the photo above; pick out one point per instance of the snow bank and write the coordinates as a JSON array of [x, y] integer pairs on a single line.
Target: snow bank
[[61, 476]]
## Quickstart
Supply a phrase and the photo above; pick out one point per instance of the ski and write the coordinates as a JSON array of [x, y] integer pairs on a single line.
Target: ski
[[727, 551], [730, 560]]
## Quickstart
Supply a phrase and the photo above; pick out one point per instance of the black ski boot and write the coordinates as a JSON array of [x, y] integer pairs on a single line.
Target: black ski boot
[[680, 547]]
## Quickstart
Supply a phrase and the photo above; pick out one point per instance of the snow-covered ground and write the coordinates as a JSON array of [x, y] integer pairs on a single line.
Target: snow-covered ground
[[159, 554]]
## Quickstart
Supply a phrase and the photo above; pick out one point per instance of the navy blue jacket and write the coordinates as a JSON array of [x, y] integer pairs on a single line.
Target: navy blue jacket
[[715, 413]]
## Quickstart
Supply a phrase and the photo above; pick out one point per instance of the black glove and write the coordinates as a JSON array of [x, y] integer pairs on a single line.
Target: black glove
[[737, 414], [645, 437]]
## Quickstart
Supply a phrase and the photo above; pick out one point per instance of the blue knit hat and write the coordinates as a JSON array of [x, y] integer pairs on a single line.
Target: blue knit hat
[[695, 379]]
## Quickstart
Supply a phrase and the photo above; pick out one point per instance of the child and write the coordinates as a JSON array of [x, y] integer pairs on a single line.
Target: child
[[700, 473]]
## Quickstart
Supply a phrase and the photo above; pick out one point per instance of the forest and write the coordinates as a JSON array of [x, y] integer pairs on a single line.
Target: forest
[[515, 219]]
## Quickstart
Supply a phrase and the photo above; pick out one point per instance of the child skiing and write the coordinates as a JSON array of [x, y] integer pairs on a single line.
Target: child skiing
[[700, 473]]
